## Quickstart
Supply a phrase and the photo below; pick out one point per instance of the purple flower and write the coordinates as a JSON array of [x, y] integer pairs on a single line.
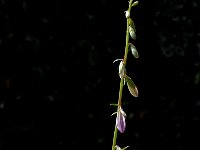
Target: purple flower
[[120, 120]]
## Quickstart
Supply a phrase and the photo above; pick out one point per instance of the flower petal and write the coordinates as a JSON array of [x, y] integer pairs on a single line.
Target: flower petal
[[120, 120]]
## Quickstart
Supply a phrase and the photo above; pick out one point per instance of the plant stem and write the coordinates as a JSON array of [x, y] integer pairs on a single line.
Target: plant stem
[[119, 104], [114, 138], [126, 47], [127, 35], [122, 79]]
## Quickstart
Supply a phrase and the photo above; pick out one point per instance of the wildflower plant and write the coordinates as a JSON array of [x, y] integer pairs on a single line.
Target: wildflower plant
[[125, 80]]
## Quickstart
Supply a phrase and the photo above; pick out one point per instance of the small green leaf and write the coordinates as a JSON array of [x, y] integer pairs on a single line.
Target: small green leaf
[[131, 86], [114, 104]]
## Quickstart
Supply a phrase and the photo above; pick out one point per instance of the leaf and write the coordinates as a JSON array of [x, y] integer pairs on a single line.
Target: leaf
[[131, 86], [114, 104]]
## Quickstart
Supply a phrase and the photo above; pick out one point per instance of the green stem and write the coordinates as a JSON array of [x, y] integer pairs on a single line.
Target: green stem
[[127, 44], [119, 104], [127, 35], [120, 92], [114, 138], [122, 80]]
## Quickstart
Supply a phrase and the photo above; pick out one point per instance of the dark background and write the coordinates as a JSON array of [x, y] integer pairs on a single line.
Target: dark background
[[57, 78]]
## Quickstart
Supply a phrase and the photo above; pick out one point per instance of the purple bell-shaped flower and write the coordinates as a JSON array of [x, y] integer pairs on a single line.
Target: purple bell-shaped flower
[[120, 120]]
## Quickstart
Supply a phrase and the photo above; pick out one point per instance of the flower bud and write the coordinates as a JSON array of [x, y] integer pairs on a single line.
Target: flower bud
[[131, 23], [135, 3], [133, 50], [120, 120], [127, 14], [122, 69], [132, 33]]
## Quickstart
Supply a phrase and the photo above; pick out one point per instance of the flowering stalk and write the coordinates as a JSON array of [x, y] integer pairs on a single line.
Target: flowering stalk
[[121, 115]]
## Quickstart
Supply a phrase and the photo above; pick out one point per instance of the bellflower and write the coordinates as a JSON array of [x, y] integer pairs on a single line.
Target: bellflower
[[120, 120]]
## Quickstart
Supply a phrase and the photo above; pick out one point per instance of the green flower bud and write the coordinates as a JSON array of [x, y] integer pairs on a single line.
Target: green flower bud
[[127, 14], [135, 3], [122, 69], [131, 23], [133, 50], [132, 33]]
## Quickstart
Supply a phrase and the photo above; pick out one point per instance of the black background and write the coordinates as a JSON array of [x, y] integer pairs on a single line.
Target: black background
[[57, 78]]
